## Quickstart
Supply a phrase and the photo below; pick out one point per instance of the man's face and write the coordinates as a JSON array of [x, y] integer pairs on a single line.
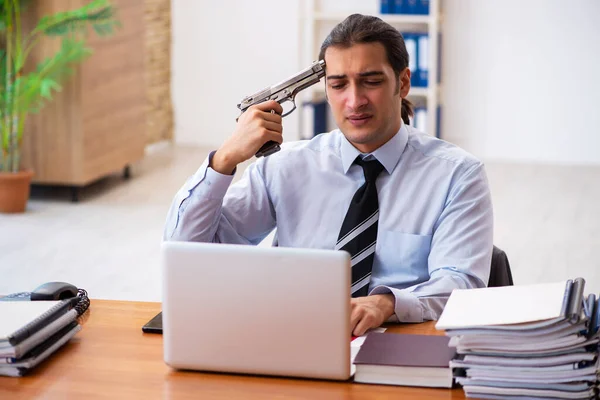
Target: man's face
[[364, 94]]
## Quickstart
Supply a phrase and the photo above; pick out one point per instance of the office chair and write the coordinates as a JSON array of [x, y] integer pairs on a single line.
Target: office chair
[[500, 274]]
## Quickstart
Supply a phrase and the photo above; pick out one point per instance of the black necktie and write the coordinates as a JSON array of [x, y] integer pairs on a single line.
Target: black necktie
[[358, 235]]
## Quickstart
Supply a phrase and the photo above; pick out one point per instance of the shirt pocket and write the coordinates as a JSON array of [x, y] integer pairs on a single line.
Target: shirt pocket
[[403, 256]]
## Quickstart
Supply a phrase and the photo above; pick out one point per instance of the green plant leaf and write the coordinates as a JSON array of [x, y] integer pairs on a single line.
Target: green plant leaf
[[2, 17], [2, 69], [46, 87], [19, 61], [98, 13], [37, 87], [28, 93]]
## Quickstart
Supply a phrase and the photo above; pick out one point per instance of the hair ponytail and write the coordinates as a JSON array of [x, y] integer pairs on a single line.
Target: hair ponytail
[[407, 111]]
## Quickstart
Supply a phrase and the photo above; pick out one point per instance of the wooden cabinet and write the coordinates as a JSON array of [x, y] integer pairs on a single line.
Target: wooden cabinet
[[96, 125]]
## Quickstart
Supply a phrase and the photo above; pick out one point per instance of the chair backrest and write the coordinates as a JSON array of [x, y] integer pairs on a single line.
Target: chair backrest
[[500, 274]]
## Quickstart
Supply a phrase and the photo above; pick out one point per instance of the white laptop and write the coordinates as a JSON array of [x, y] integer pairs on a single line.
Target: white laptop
[[256, 310]]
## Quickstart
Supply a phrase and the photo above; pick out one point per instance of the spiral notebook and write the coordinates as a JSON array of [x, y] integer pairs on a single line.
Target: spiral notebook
[[20, 319], [20, 367], [26, 324]]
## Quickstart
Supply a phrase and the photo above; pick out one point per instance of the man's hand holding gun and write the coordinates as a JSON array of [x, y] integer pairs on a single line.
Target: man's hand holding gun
[[255, 127], [259, 128]]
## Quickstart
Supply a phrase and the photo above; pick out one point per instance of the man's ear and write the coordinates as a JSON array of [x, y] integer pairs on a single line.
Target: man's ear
[[404, 82]]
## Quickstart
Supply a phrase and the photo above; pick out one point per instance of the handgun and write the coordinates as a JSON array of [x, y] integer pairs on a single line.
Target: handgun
[[282, 92]]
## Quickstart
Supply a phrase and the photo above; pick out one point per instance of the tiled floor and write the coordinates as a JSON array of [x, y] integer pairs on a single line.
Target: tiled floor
[[546, 219]]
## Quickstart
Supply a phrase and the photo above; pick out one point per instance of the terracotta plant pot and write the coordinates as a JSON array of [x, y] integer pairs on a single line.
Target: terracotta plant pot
[[14, 191]]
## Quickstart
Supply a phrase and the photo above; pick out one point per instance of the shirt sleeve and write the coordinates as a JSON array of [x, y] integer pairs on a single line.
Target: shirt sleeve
[[460, 255], [209, 208]]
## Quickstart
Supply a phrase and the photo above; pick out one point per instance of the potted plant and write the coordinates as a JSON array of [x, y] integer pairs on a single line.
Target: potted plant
[[25, 90]]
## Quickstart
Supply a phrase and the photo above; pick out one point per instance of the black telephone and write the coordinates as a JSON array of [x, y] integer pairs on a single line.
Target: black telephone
[[47, 291]]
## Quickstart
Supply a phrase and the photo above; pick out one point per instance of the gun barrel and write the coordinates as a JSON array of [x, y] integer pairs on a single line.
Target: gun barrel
[[290, 87]]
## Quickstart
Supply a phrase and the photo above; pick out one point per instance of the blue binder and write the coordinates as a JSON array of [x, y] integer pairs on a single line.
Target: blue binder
[[422, 60], [410, 7], [422, 7], [319, 117], [420, 119], [387, 6], [410, 41], [398, 6], [414, 7]]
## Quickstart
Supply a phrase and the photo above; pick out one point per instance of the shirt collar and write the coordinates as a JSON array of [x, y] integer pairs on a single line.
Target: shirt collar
[[388, 154]]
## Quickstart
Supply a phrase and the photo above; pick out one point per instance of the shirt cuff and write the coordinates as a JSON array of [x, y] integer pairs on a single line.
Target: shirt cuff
[[407, 307], [215, 183]]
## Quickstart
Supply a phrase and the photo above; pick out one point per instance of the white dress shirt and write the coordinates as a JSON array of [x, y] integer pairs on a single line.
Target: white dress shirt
[[435, 230]]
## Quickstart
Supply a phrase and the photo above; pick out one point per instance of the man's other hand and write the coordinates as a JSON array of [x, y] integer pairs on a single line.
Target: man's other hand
[[370, 312]]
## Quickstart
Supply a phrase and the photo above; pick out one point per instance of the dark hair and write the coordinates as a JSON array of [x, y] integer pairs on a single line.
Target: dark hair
[[358, 29]]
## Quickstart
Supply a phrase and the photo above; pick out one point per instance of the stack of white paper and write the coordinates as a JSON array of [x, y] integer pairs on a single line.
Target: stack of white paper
[[530, 341]]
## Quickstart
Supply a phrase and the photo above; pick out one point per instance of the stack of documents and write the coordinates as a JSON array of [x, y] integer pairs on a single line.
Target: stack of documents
[[31, 331], [528, 341]]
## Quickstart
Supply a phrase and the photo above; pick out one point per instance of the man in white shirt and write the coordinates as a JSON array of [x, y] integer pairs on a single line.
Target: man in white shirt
[[413, 211]]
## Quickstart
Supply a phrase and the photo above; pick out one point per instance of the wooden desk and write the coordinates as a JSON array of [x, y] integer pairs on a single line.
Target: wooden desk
[[112, 358]]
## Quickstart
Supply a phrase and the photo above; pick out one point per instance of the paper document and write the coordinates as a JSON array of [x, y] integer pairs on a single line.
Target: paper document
[[16, 314], [504, 305], [480, 391]]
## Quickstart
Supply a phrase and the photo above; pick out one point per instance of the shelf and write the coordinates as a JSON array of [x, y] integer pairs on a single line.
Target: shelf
[[390, 18], [418, 91], [318, 94], [317, 21]]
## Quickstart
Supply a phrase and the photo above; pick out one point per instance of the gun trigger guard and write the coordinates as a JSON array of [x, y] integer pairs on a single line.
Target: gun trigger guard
[[292, 110]]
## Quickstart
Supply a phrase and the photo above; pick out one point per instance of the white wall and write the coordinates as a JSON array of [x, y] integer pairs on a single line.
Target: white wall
[[520, 76], [521, 79], [223, 51]]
